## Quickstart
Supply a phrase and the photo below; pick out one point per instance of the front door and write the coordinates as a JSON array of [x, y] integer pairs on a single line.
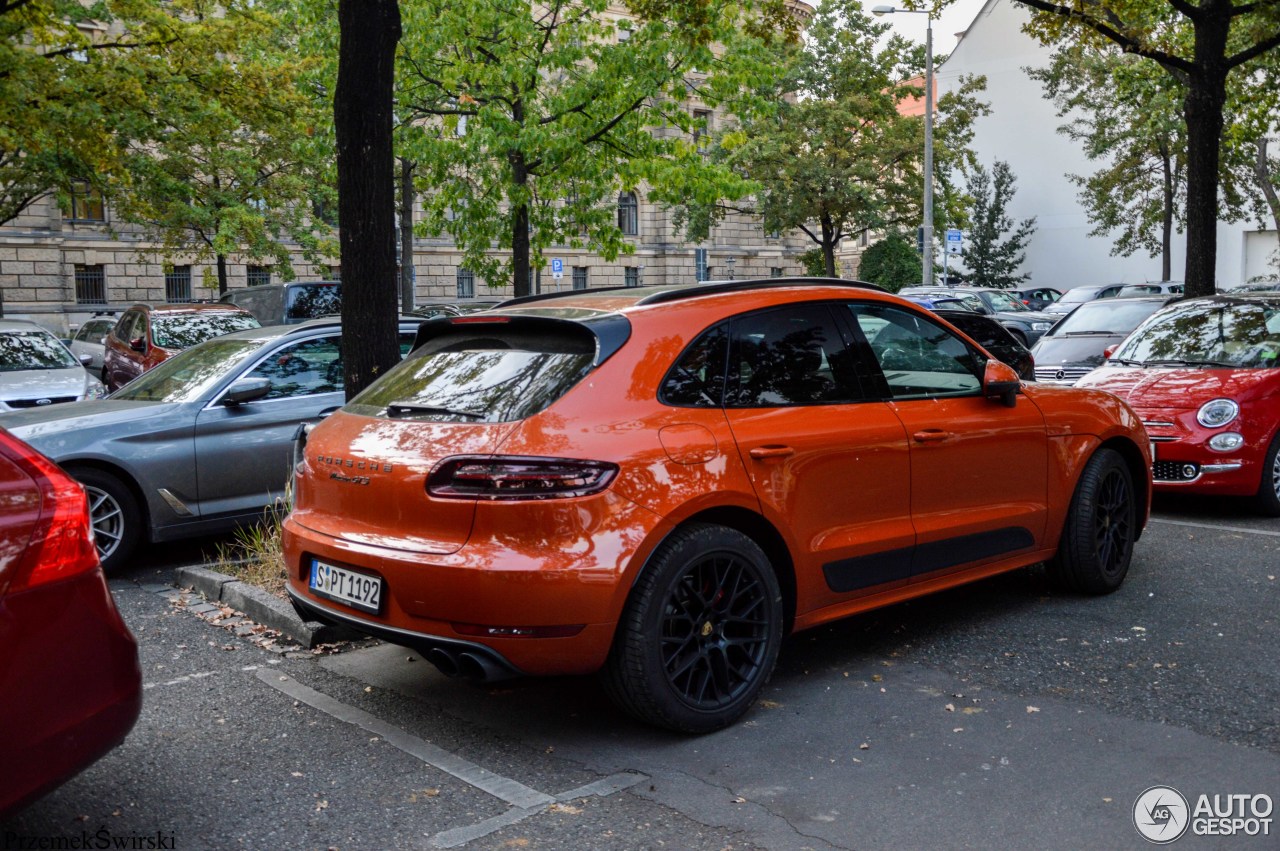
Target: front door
[[979, 470]]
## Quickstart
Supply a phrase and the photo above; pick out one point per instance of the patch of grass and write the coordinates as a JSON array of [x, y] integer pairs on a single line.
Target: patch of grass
[[254, 554]]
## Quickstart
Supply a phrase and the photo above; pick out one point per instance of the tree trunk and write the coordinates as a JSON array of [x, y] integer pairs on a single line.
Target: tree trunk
[[520, 219], [829, 241], [407, 276], [1262, 172], [366, 190], [1166, 217], [1206, 97], [222, 275]]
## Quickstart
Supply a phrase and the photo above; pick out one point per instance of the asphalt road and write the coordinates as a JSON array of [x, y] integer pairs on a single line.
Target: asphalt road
[[998, 714]]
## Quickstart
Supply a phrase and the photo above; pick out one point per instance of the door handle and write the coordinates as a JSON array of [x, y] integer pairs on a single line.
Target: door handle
[[931, 435], [765, 452]]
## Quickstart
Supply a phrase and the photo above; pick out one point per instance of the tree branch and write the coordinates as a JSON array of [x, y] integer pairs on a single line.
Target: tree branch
[[1175, 64]]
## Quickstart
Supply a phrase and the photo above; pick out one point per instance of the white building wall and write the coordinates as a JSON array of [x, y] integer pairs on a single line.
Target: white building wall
[[1022, 131]]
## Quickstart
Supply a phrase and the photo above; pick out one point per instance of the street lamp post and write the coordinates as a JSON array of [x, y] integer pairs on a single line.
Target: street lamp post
[[926, 262]]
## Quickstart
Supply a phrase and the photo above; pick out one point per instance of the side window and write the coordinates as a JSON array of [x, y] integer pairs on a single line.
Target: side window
[[789, 356], [98, 333], [696, 380], [125, 327], [919, 358], [303, 369], [974, 303]]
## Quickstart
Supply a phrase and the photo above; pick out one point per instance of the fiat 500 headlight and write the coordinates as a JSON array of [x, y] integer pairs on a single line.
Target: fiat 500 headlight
[[1217, 413]]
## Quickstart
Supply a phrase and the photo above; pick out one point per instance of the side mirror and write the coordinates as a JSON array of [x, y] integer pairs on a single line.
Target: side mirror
[[1110, 350], [138, 345], [1001, 382], [246, 390], [85, 360]]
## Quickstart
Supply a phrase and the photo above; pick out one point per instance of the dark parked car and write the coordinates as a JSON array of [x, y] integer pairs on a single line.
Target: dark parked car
[[1025, 324], [69, 674], [431, 310], [1076, 345], [202, 442], [993, 337], [1038, 298], [289, 304], [1077, 296], [147, 335]]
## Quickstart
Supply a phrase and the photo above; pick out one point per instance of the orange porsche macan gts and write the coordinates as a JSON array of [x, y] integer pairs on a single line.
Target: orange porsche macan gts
[[660, 483]]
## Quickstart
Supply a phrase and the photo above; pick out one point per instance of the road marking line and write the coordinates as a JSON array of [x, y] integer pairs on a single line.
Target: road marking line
[[601, 788], [503, 788], [1216, 527]]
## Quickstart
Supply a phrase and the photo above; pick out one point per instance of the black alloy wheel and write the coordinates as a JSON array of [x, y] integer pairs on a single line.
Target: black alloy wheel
[[1267, 500], [1102, 525], [700, 634]]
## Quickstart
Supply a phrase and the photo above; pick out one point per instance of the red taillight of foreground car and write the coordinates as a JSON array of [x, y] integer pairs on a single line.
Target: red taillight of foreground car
[[514, 477], [61, 544]]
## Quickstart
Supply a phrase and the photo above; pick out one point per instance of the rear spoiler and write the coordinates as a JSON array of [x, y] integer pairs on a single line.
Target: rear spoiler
[[609, 332]]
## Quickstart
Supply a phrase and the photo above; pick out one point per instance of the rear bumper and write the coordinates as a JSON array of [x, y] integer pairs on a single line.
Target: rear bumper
[[72, 686]]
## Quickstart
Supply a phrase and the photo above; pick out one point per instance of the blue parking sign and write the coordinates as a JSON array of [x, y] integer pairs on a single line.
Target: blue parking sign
[[557, 267]]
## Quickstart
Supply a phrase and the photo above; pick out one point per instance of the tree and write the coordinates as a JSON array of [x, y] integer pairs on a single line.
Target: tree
[[839, 157], [996, 247], [225, 166], [75, 82], [1201, 44], [527, 121], [893, 263], [362, 108]]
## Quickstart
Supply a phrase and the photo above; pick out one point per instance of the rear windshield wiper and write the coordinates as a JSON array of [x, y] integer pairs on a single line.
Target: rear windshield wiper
[[400, 409], [1125, 362]]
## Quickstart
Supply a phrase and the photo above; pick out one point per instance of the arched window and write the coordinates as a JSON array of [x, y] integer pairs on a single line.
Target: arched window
[[628, 214]]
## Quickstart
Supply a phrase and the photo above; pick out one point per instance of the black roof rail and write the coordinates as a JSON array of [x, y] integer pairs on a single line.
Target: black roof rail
[[526, 299], [717, 287], [701, 288]]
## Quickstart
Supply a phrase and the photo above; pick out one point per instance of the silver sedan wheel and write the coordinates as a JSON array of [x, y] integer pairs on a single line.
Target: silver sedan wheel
[[107, 518]]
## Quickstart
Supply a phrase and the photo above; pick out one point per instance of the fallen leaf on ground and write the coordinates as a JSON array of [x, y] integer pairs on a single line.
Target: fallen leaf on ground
[[1031, 709]]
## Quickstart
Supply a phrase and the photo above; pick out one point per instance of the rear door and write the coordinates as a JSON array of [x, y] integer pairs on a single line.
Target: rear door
[[829, 461], [979, 470]]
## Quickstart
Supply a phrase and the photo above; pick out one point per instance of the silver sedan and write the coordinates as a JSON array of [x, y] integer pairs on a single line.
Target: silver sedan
[[202, 442]]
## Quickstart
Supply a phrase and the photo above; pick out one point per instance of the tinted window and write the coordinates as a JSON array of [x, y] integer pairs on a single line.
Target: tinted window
[[986, 332], [919, 358], [789, 356], [697, 378], [311, 302], [183, 330], [34, 349], [481, 375]]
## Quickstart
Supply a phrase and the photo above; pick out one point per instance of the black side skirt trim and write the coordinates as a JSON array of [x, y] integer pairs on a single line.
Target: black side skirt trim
[[853, 574]]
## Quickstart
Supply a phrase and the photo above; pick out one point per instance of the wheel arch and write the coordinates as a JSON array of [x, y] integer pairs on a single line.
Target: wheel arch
[[125, 478], [758, 528], [1137, 465]]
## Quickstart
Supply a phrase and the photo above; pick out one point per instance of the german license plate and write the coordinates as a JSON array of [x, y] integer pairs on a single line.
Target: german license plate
[[358, 590]]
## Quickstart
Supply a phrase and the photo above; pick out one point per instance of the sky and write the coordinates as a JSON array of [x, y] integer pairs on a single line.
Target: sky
[[955, 18]]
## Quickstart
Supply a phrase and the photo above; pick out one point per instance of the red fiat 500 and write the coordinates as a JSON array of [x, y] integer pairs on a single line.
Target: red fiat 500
[[1204, 375], [663, 482]]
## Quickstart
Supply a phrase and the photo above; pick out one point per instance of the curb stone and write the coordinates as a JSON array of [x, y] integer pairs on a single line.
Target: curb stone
[[262, 607]]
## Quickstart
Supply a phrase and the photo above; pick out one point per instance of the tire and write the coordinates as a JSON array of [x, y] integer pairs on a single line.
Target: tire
[[700, 632], [1267, 500], [1102, 523], [114, 512]]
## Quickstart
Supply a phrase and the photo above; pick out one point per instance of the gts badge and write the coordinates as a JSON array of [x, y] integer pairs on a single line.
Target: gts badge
[[355, 480]]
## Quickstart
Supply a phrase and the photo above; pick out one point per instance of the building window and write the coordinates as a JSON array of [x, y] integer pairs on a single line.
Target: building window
[[579, 277], [701, 129], [333, 273], [775, 271], [86, 203], [258, 276], [91, 284], [177, 284], [628, 214], [700, 270], [631, 276], [466, 284]]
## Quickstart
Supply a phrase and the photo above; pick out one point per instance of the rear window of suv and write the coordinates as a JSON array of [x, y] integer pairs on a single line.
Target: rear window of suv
[[483, 373]]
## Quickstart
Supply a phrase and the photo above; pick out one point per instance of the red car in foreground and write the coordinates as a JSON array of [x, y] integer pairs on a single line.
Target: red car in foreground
[[1204, 375], [70, 684]]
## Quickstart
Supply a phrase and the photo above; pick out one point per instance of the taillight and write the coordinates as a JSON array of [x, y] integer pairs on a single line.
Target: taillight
[[61, 544], [514, 477]]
